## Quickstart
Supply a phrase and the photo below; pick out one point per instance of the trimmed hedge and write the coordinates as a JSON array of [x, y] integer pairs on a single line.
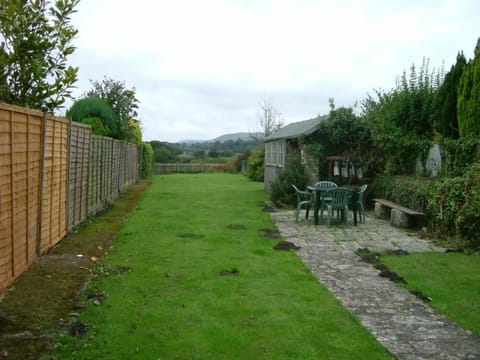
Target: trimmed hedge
[[451, 205]]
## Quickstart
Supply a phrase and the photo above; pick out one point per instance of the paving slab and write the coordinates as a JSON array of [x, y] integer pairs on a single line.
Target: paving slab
[[406, 326]]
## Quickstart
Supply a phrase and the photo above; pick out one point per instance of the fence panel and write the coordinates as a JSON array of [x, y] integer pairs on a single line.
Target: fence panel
[[54, 188], [94, 176], [53, 174], [21, 133], [169, 168], [78, 176]]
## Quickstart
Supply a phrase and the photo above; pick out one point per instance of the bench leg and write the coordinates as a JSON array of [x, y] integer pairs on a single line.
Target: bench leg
[[399, 219], [381, 211]]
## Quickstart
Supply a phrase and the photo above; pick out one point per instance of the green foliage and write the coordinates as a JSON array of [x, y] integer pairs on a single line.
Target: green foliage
[[35, 43], [401, 120], [256, 164], [94, 107], [411, 192], [282, 192], [234, 163], [469, 97], [236, 146], [458, 155], [454, 206], [342, 134], [446, 121], [147, 159], [123, 102], [164, 153], [451, 205], [98, 128], [199, 154], [135, 130]]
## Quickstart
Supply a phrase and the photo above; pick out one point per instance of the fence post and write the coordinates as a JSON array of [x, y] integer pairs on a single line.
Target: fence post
[[69, 168], [41, 186], [12, 194]]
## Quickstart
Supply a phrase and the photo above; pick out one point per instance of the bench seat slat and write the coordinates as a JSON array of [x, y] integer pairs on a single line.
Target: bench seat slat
[[399, 207]]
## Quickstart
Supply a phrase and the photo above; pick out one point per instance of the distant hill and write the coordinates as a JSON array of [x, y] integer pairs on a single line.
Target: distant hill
[[245, 136]]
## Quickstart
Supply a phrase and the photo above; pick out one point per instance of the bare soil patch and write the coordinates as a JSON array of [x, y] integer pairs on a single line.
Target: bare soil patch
[[374, 258], [286, 245], [270, 233]]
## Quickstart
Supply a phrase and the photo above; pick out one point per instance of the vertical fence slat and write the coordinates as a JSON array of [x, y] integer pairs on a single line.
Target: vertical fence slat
[[12, 196]]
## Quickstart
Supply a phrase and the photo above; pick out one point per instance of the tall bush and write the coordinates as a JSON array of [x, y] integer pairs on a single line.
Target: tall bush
[[401, 120], [256, 164], [454, 208], [94, 107], [282, 192], [147, 159], [446, 120], [469, 97], [35, 42], [458, 155]]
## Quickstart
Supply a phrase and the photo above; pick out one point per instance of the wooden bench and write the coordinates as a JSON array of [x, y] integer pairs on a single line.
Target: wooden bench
[[399, 215]]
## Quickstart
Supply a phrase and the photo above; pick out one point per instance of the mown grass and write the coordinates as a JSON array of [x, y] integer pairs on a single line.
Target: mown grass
[[204, 283], [451, 280]]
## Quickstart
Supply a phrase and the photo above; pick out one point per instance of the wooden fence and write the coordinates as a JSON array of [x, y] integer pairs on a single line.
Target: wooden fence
[[51, 169], [166, 168]]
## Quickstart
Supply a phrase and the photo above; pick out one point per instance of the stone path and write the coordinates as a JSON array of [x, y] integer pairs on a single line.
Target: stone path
[[407, 327]]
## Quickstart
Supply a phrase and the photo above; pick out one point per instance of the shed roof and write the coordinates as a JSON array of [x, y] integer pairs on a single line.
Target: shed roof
[[297, 129]]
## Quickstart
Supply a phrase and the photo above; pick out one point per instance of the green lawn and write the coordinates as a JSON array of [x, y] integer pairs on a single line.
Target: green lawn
[[451, 280], [206, 284]]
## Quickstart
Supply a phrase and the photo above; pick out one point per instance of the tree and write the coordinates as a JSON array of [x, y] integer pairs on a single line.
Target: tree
[[122, 100], [401, 120], [270, 117], [35, 42], [446, 121], [468, 103], [97, 113], [136, 130]]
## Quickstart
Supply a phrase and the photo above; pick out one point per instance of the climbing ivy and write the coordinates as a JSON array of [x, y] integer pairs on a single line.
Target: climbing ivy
[[458, 155]]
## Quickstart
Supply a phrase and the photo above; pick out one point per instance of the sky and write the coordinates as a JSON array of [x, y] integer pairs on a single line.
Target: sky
[[201, 68]]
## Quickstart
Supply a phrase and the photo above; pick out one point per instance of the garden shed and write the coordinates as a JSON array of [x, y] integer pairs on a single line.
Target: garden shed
[[284, 142]]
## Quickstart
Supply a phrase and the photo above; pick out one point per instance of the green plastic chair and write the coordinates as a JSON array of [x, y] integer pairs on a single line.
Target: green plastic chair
[[360, 207], [304, 198], [326, 184], [336, 199]]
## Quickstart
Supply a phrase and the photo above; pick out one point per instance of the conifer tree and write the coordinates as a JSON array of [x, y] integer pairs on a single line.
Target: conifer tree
[[446, 122], [468, 104]]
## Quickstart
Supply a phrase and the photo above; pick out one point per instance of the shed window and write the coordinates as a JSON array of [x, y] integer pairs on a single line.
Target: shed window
[[275, 153]]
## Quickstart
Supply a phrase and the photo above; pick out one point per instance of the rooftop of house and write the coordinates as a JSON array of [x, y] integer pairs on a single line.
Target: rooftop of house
[[297, 129]]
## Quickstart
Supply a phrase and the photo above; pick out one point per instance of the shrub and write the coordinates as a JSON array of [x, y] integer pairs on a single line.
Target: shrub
[[451, 205], [455, 208], [458, 155], [98, 127], [256, 164], [147, 159], [234, 163], [446, 200], [282, 192], [411, 192], [94, 107]]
